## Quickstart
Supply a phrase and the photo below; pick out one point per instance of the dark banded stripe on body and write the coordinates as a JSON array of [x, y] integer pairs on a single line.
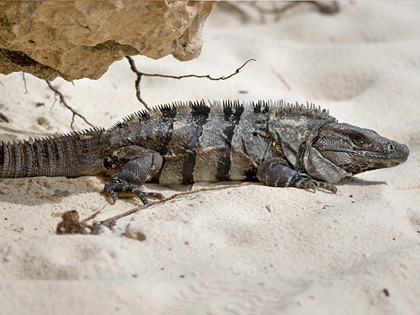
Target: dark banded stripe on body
[[251, 143], [179, 158], [260, 107], [199, 114], [231, 114], [210, 149], [161, 144], [168, 116]]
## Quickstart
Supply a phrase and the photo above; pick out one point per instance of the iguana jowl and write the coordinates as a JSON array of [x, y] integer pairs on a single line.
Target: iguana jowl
[[275, 143]]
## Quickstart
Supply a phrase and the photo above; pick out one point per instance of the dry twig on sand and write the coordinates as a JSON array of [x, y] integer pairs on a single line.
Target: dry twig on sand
[[59, 95], [178, 77], [266, 9], [71, 224]]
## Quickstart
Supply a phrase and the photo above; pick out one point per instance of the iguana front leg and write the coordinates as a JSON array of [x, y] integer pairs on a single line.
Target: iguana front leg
[[277, 172], [142, 165]]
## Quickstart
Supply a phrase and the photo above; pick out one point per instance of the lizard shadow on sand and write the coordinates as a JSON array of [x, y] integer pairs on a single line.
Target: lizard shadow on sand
[[354, 181], [43, 190]]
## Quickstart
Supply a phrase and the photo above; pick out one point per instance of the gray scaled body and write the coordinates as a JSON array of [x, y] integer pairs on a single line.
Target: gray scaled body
[[275, 143]]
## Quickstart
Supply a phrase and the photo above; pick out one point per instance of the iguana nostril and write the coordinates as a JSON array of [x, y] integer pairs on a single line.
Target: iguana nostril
[[390, 148]]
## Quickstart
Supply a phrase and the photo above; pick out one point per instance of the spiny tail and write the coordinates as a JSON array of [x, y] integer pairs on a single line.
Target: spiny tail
[[68, 155]]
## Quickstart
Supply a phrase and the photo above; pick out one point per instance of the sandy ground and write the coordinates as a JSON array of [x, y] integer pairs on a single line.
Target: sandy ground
[[242, 250]]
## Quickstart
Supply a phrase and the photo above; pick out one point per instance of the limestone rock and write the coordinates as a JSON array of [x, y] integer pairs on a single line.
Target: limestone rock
[[80, 39]]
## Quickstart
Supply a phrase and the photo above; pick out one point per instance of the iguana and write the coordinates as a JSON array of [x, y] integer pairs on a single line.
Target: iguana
[[274, 142]]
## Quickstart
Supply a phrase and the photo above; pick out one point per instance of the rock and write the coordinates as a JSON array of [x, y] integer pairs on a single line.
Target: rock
[[81, 39]]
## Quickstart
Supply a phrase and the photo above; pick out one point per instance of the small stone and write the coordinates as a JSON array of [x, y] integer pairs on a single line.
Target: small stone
[[42, 121], [135, 232]]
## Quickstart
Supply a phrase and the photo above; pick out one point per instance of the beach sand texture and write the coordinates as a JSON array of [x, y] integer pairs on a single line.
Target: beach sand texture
[[241, 250]]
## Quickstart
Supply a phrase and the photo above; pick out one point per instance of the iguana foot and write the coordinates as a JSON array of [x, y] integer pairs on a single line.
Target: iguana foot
[[115, 188], [142, 165], [277, 172], [313, 184]]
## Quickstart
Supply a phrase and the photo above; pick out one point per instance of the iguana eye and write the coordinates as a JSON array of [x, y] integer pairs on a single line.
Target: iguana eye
[[358, 139]]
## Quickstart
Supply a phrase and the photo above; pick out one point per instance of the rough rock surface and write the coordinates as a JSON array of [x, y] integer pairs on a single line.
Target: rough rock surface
[[78, 39]]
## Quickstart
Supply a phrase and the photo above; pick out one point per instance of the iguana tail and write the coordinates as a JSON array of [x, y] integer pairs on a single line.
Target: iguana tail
[[70, 155]]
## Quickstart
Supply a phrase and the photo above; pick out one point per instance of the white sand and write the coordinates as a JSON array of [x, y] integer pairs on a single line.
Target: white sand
[[223, 251]]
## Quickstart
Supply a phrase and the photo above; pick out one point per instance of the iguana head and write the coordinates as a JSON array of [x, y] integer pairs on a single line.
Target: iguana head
[[356, 150]]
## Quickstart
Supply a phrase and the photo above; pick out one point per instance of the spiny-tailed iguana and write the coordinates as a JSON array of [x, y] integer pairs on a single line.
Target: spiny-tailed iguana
[[276, 143]]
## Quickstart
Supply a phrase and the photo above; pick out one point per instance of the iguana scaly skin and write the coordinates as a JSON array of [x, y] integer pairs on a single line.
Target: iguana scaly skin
[[275, 143]]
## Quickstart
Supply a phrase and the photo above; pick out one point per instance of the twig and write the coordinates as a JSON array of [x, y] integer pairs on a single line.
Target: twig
[[63, 101], [93, 215], [330, 7], [4, 118], [111, 221], [203, 76], [274, 10], [179, 77], [137, 83], [24, 82], [71, 223], [282, 80], [235, 8]]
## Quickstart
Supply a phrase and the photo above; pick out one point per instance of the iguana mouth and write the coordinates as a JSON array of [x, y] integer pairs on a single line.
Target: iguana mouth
[[374, 159]]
